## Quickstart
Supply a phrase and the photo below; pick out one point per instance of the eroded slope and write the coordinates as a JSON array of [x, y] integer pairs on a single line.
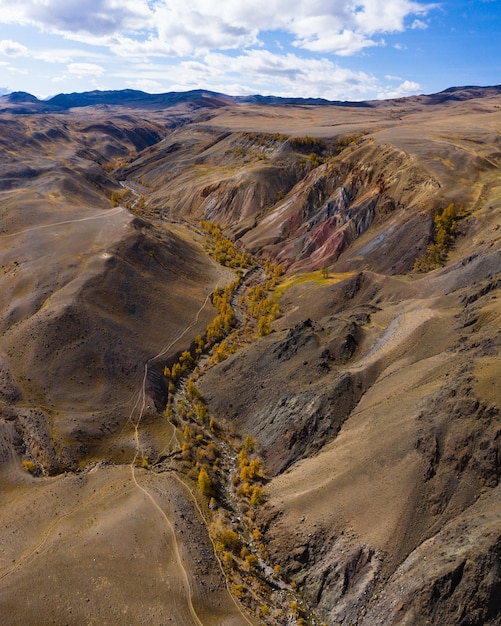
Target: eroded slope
[[92, 295], [376, 395], [374, 399]]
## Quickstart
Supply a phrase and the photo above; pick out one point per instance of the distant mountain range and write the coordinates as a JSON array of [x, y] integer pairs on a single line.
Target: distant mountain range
[[22, 102]]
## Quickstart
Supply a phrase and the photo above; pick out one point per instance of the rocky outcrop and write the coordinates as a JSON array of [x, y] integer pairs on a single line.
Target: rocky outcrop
[[296, 418], [453, 578], [373, 402], [277, 203], [337, 203]]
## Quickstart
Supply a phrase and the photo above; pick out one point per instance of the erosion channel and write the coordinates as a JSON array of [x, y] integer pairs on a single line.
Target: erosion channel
[[176, 518], [222, 474]]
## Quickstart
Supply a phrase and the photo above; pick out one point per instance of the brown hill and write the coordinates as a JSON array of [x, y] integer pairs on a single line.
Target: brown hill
[[374, 400]]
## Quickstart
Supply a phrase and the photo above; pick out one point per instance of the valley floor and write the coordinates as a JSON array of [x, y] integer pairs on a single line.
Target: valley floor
[[193, 435]]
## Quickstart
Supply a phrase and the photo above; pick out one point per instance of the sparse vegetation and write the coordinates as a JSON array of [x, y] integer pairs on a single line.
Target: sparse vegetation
[[315, 160], [29, 466], [222, 249], [205, 483], [351, 141], [307, 144], [264, 138], [311, 146], [315, 277], [444, 231]]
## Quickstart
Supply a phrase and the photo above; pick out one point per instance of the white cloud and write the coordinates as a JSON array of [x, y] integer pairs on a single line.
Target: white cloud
[[339, 26], [65, 55], [194, 27], [12, 48], [345, 43], [98, 17], [379, 16], [85, 69], [287, 75], [419, 24], [17, 70], [407, 88], [266, 73], [124, 46], [144, 84]]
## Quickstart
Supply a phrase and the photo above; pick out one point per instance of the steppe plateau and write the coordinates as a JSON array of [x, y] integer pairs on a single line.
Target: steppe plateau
[[346, 411]]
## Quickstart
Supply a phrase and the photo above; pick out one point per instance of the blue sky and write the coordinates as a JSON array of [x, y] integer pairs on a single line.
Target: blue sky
[[335, 49]]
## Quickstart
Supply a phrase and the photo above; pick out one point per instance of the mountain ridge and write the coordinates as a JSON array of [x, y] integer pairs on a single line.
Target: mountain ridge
[[201, 98]]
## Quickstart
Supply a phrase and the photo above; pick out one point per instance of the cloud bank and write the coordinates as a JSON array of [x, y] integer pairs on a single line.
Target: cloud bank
[[199, 38]]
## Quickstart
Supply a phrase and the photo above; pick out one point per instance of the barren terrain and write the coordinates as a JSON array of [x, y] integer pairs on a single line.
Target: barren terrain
[[372, 398]]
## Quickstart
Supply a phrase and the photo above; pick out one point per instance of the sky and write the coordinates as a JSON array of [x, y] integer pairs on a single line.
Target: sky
[[333, 49]]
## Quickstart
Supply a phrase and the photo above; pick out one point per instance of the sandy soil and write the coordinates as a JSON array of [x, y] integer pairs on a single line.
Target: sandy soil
[[95, 301], [377, 392], [113, 544], [142, 551]]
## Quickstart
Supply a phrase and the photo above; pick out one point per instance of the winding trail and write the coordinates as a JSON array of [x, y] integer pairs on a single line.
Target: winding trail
[[106, 213], [34, 551], [140, 406], [141, 394], [170, 525], [135, 418]]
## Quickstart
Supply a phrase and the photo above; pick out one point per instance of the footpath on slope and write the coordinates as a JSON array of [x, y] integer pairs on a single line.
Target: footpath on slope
[[223, 507]]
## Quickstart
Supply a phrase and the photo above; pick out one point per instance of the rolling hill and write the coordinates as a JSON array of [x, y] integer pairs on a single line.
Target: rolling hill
[[249, 359]]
